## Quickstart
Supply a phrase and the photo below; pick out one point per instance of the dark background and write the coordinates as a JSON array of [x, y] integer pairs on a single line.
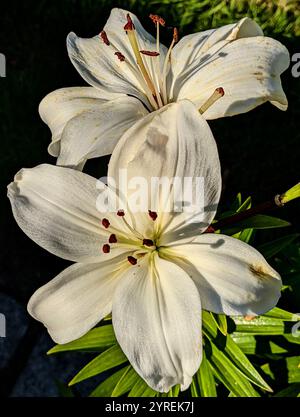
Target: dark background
[[259, 151]]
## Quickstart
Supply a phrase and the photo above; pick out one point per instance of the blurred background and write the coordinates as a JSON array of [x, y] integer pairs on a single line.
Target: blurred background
[[259, 151]]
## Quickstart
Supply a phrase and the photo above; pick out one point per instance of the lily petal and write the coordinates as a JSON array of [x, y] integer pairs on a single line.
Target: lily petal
[[157, 321], [190, 48], [76, 300], [173, 142], [96, 132], [61, 106], [247, 69], [232, 277], [98, 64], [56, 208]]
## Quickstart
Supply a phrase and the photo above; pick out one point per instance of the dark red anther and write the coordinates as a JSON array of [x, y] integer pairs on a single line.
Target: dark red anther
[[132, 260], [157, 19], [152, 214], [175, 34], [129, 25], [105, 223], [112, 238], [106, 248], [150, 53], [120, 56], [221, 91], [121, 213], [148, 242], [210, 229], [104, 37]]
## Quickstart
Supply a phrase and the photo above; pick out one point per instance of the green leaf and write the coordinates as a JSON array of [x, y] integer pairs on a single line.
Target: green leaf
[[245, 235], [249, 344], [106, 360], [291, 194], [278, 313], [221, 322], [95, 340], [141, 389], [245, 206], [194, 389], [272, 248], [289, 366], [229, 375], [126, 382], [234, 354], [106, 387], [259, 221], [205, 379], [293, 368], [292, 390], [262, 326]]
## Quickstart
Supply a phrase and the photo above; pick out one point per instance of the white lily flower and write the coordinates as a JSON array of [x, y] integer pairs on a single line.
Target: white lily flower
[[131, 74], [153, 271]]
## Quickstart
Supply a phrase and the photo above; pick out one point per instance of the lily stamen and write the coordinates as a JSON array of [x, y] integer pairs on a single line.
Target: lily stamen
[[130, 30], [148, 242], [106, 248], [113, 238], [150, 53], [132, 260], [216, 95], [105, 223], [152, 214], [120, 56], [104, 37]]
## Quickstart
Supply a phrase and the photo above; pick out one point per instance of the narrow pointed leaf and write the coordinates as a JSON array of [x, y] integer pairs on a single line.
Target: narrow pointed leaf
[[106, 360], [272, 248], [95, 340], [291, 194], [141, 389], [126, 382], [205, 378], [278, 313], [259, 221], [106, 387], [229, 375], [262, 326], [234, 353]]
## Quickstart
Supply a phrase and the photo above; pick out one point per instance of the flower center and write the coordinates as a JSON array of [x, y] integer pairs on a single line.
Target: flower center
[[129, 238], [154, 82]]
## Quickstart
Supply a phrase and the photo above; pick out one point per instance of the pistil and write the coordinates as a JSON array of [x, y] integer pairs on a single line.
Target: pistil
[[165, 67]]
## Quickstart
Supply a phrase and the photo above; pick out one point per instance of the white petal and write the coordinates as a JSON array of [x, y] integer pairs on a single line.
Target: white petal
[[60, 106], [188, 51], [98, 64], [249, 71], [56, 208], [232, 277], [96, 132], [157, 321], [76, 300], [174, 142]]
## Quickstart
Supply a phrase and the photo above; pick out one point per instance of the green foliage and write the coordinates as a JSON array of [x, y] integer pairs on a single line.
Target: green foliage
[[281, 17]]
